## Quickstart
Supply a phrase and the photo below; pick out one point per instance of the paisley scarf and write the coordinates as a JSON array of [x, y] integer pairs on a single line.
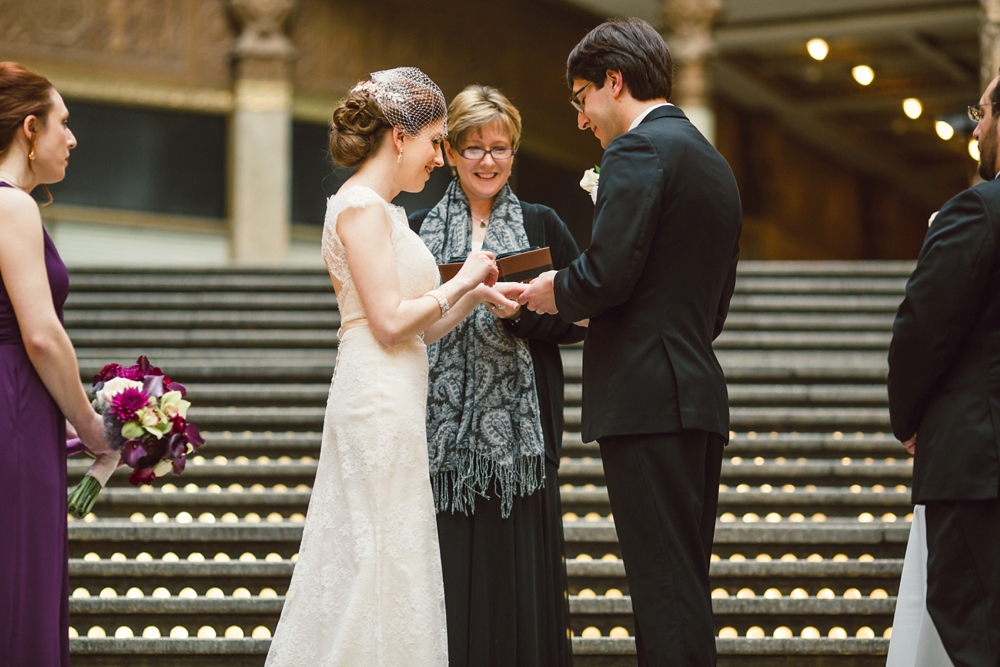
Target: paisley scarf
[[484, 433]]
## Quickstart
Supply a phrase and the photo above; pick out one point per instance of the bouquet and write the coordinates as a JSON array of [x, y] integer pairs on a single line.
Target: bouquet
[[146, 418]]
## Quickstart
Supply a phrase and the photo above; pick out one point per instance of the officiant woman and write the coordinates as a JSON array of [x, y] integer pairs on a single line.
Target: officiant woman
[[39, 379], [495, 411]]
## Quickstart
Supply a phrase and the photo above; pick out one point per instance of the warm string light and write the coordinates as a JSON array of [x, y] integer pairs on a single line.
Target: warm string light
[[863, 74], [818, 48], [944, 130], [913, 108], [974, 149]]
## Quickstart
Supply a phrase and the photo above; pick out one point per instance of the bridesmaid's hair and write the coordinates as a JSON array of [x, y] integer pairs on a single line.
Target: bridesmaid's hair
[[357, 127], [22, 93]]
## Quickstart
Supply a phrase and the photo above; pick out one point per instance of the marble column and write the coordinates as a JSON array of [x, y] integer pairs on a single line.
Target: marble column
[[989, 34], [261, 132], [690, 39]]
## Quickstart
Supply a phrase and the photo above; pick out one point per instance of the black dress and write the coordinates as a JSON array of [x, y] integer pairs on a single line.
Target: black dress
[[505, 579]]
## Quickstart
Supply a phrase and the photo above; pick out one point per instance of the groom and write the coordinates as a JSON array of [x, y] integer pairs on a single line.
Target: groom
[[655, 284], [944, 402]]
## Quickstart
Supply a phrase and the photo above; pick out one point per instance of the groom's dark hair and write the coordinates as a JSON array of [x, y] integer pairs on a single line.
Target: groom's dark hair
[[629, 46]]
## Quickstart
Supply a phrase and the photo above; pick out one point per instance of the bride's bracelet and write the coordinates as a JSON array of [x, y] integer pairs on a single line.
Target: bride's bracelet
[[442, 301]]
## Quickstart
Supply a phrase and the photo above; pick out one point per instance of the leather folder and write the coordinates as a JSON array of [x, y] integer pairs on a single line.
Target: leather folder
[[515, 267]]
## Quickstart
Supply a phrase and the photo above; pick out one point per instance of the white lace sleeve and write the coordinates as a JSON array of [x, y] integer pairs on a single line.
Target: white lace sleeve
[[334, 255]]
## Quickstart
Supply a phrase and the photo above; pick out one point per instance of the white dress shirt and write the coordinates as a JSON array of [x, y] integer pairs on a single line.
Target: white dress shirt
[[641, 117]]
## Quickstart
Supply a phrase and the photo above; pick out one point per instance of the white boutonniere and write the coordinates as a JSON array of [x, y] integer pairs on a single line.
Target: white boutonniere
[[589, 183]]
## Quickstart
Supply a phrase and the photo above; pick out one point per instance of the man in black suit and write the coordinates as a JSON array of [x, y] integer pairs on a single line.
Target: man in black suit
[[655, 284], [944, 401]]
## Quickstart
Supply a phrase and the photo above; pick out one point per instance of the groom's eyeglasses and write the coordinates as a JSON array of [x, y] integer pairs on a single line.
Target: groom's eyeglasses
[[577, 104], [976, 111]]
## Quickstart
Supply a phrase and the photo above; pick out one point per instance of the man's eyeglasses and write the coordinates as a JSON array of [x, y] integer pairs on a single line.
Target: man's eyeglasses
[[976, 111], [498, 153], [577, 104]]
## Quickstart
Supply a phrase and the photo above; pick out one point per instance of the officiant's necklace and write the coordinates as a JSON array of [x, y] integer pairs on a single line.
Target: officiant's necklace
[[483, 222]]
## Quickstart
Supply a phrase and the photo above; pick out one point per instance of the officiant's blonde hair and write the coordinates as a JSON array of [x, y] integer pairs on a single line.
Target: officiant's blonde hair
[[478, 106]]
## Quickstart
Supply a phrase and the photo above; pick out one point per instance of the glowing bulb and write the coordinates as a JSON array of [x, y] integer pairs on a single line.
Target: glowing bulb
[[912, 108], [863, 74], [944, 130], [974, 149], [818, 48]]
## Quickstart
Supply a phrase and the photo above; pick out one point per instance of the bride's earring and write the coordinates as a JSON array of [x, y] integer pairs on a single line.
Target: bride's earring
[[31, 153], [399, 158]]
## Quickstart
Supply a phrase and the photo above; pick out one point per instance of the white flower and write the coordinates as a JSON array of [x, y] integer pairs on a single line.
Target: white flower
[[112, 388], [162, 468], [591, 178]]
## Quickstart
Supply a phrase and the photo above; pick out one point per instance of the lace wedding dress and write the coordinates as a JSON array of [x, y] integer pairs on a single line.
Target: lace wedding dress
[[367, 588]]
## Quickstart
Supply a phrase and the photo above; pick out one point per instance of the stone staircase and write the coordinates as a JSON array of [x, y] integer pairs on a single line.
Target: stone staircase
[[814, 503]]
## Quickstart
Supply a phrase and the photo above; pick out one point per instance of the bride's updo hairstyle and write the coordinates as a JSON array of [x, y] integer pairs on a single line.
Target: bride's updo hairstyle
[[403, 97]]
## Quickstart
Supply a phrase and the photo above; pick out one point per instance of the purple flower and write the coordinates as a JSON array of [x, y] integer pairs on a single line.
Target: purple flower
[[133, 451], [126, 404], [176, 447], [141, 476], [179, 465], [108, 372]]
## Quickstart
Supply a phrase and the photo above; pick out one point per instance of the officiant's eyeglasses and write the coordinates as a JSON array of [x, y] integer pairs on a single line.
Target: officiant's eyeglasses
[[976, 111], [577, 104], [498, 153]]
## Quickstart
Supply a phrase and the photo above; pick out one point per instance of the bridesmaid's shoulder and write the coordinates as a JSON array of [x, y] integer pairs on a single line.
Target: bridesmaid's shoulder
[[17, 207]]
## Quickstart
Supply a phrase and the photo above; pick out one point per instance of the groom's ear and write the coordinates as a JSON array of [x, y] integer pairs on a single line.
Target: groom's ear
[[616, 80]]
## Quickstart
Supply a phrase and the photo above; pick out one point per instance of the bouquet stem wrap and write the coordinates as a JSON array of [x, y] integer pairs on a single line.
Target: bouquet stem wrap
[[81, 500]]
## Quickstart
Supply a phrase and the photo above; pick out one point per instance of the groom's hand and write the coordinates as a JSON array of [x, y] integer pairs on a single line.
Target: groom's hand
[[911, 444], [539, 297]]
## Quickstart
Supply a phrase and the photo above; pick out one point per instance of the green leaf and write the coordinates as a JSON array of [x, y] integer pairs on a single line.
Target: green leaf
[[132, 430]]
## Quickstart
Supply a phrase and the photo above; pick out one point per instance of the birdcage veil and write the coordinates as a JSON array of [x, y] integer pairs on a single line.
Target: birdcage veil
[[408, 98]]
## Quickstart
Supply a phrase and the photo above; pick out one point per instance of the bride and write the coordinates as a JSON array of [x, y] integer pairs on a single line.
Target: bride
[[367, 587]]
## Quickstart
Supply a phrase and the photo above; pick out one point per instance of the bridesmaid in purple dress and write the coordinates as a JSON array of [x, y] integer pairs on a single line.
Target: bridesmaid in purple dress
[[39, 380]]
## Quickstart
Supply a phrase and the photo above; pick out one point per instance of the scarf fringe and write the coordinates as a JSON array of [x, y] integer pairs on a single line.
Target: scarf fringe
[[456, 493]]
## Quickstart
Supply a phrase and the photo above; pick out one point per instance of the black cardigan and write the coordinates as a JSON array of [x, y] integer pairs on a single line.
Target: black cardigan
[[544, 333]]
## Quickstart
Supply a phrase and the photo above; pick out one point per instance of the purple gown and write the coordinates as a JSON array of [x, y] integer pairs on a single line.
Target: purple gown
[[34, 551]]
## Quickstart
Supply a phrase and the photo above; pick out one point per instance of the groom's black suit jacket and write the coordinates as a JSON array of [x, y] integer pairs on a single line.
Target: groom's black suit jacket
[[944, 361], [656, 282]]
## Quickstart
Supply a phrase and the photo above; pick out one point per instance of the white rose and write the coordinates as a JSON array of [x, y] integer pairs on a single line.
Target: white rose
[[112, 388], [589, 181]]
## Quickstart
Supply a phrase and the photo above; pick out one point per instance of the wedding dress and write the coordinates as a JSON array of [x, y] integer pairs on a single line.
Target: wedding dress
[[915, 641], [367, 588]]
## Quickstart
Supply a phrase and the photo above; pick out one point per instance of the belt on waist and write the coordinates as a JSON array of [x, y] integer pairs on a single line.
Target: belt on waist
[[353, 324]]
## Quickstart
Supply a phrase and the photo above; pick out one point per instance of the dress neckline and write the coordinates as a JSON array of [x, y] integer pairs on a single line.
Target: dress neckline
[[364, 187]]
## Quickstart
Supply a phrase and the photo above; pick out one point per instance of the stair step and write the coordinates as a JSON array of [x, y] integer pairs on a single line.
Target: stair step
[[170, 320], [94, 339], [819, 322], [600, 652]]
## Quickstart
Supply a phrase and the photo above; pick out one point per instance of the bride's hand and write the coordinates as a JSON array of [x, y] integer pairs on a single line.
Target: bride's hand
[[479, 267], [501, 295]]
